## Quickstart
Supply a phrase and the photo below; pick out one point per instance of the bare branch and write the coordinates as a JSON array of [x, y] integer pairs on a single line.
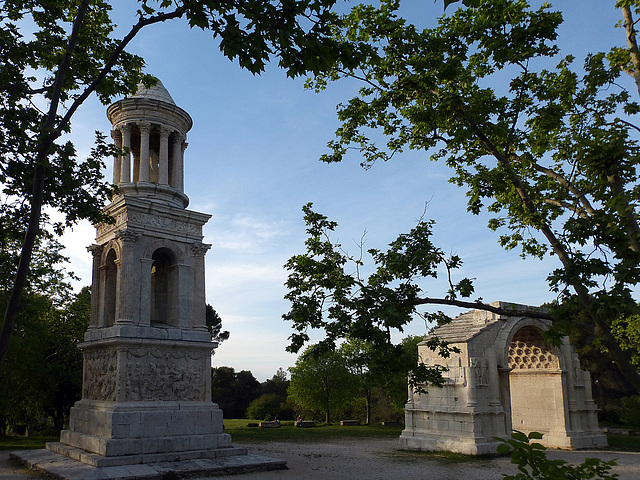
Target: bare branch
[[568, 206], [580, 196], [509, 312], [629, 124]]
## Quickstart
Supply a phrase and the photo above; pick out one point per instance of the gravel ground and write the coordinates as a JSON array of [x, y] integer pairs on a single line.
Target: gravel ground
[[375, 460]]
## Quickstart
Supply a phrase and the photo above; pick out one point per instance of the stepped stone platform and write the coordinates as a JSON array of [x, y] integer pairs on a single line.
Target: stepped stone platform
[[230, 461]]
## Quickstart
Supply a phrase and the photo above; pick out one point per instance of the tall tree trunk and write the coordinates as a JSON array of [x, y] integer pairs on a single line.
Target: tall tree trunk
[[368, 407], [48, 135], [633, 45], [601, 329]]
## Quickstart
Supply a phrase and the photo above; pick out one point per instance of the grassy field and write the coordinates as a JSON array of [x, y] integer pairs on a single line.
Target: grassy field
[[623, 443], [241, 432], [247, 431], [15, 442]]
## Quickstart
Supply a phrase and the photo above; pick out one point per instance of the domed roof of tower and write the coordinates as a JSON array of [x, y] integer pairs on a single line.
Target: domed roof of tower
[[157, 92]]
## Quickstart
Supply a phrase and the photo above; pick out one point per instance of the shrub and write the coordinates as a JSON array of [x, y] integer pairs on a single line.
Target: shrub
[[269, 406], [534, 464], [629, 411]]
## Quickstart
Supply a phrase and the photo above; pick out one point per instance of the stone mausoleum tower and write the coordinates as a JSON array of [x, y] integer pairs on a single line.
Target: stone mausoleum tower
[[147, 354]]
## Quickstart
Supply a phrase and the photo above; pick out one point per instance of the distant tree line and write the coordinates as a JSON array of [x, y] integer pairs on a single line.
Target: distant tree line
[[326, 386], [241, 395]]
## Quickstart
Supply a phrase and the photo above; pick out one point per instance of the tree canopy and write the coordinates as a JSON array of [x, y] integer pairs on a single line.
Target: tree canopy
[[328, 292], [233, 391], [552, 152], [55, 54], [214, 325], [321, 384]]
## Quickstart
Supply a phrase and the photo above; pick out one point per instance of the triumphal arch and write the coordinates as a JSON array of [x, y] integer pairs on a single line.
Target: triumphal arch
[[505, 377]]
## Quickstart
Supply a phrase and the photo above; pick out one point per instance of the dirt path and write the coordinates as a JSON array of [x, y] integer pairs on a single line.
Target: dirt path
[[375, 460]]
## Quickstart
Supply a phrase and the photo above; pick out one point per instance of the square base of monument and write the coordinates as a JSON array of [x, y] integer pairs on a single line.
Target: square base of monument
[[145, 428], [574, 440], [464, 446], [95, 460], [65, 468]]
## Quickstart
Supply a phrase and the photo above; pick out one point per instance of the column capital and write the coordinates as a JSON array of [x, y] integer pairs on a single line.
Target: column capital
[[199, 248], [95, 249], [184, 145], [178, 136], [128, 235], [165, 131], [125, 128], [116, 134], [144, 126]]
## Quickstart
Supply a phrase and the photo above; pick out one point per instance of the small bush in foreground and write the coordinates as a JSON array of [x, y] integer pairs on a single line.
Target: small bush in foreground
[[534, 464]]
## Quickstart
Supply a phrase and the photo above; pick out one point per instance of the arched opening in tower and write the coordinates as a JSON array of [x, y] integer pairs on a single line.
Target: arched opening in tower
[[163, 287]]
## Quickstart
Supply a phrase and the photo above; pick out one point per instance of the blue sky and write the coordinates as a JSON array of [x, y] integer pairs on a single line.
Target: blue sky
[[252, 162]]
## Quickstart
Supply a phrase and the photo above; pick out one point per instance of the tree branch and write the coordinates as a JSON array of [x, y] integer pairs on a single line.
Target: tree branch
[[626, 214], [580, 196], [633, 45], [143, 22], [566, 205], [516, 311]]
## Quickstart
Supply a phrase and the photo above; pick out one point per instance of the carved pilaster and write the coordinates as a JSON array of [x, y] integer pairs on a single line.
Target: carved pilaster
[[128, 285], [96, 251], [145, 291], [199, 301]]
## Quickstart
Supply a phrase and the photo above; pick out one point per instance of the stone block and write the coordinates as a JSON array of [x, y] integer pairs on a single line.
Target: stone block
[[149, 445], [273, 424], [350, 423], [198, 442]]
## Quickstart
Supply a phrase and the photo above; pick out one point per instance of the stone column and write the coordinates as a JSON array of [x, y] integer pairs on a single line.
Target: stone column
[[125, 176], [177, 180], [145, 130], [199, 306], [117, 159], [127, 295], [183, 148], [163, 177], [96, 251]]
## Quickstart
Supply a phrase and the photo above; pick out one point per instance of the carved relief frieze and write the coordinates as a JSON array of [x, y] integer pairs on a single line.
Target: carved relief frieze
[[165, 223], [163, 374], [100, 369], [150, 220], [120, 220]]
